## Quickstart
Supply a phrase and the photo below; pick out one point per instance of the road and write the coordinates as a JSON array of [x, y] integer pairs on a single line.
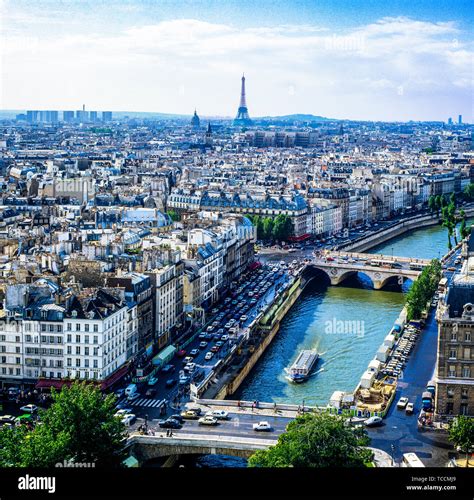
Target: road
[[177, 396]]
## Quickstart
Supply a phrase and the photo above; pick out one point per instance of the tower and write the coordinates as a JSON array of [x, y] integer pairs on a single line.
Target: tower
[[208, 135], [195, 122], [242, 117]]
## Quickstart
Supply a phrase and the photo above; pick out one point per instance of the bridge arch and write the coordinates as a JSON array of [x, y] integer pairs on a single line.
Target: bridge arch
[[393, 279]]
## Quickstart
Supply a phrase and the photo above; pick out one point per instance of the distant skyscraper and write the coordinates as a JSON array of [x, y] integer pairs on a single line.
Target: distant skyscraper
[[93, 116], [460, 119], [106, 116], [68, 116], [32, 116], [242, 117], [195, 122], [450, 121], [81, 115]]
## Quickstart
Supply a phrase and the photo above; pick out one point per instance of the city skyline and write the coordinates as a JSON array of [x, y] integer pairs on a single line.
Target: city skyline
[[399, 63]]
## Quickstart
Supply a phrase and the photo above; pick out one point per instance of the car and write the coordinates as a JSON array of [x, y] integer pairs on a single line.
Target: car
[[215, 348], [208, 336], [152, 381], [183, 380], [209, 355], [170, 383], [243, 318], [120, 393], [7, 420], [187, 359], [208, 420], [190, 367], [129, 419], [224, 339], [228, 325], [190, 414], [210, 329], [194, 352], [150, 393], [122, 413], [29, 408], [170, 423], [219, 414], [202, 335], [176, 417], [262, 426], [373, 422], [402, 402], [202, 345], [168, 369], [181, 353], [133, 396], [410, 408]]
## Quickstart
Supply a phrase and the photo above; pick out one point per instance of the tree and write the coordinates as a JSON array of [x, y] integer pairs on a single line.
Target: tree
[[282, 227], [461, 434], [468, 193], [268, 228], [423, 289], [175, 217], [316, 440], [80, 425], [432, 204]]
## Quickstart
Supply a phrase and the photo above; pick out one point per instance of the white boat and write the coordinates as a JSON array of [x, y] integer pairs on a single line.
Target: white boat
[[300, 370]]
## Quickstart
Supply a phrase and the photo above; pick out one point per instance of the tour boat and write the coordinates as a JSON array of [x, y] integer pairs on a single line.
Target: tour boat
[[301, 368]]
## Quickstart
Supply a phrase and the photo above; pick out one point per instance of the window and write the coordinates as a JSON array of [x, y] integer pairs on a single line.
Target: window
[[17, 339], [467, 353], [96, 364], [463, 409], [467, 336], [466, 372], [78, 362], [452, 354], [449, 408], [69, 326], [452, 371], [69, 349], [51, 328], [69, 338], [86, 351], [78, 327], [96, 328], [43, 327], [86, 339], [454, 335], [78, 350], [69, 362], [78, 339], [86, 363], [86, 327], [96, 351], [96, 339]]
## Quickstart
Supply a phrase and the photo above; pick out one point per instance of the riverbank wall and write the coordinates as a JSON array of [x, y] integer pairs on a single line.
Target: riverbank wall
[[404, 226]]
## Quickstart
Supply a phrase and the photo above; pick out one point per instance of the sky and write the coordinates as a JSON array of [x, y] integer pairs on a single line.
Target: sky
[[392, 60]]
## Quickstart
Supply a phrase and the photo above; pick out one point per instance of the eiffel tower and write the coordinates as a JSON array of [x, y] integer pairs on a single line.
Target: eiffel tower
[[242, 117]]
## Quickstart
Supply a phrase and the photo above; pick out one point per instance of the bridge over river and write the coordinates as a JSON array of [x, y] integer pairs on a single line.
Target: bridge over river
[[381, 269]]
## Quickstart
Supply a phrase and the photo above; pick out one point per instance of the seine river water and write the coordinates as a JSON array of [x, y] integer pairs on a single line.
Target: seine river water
[[314, 323]]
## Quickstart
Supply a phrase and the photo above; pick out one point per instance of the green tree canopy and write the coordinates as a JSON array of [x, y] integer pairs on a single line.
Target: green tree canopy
[[461, 434], [80, 425], [316, 440], [423, 289]]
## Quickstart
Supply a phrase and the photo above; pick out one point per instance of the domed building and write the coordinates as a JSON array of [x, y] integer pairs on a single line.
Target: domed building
[[195, 122]]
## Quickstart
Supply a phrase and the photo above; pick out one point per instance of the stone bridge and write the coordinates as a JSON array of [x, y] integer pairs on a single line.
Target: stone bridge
[[380, 269], [145, 448]]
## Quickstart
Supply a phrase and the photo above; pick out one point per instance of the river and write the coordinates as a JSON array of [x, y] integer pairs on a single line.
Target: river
[[367, 316]]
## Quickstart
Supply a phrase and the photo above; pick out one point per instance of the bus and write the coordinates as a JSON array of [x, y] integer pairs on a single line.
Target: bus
[[389, 264], [415, 266], [411, 460], [443, 283]]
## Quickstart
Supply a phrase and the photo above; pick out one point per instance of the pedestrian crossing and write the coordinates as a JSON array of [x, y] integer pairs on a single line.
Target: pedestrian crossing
[[147, 403]]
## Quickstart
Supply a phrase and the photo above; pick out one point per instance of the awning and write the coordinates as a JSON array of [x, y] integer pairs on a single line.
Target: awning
[[299, 238], [47, 384], [114, 377]]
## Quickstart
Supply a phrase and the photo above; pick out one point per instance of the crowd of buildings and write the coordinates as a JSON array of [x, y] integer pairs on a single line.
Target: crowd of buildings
[[115, 240]]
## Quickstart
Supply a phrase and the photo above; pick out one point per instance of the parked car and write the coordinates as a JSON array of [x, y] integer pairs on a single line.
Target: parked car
[[181, 353], [176, 417], [208, 420], [194, 352], [263, 426], [29, 408], [152, 381], [202, 345], [402, 402], [373, 422], [409, 408], [209, 355], [168, 369], [133, 396]]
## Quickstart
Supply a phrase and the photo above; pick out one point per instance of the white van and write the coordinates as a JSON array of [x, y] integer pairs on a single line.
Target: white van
[[130, 390]]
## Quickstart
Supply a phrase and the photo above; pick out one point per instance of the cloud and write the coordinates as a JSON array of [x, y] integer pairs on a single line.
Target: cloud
[[148, 66]]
